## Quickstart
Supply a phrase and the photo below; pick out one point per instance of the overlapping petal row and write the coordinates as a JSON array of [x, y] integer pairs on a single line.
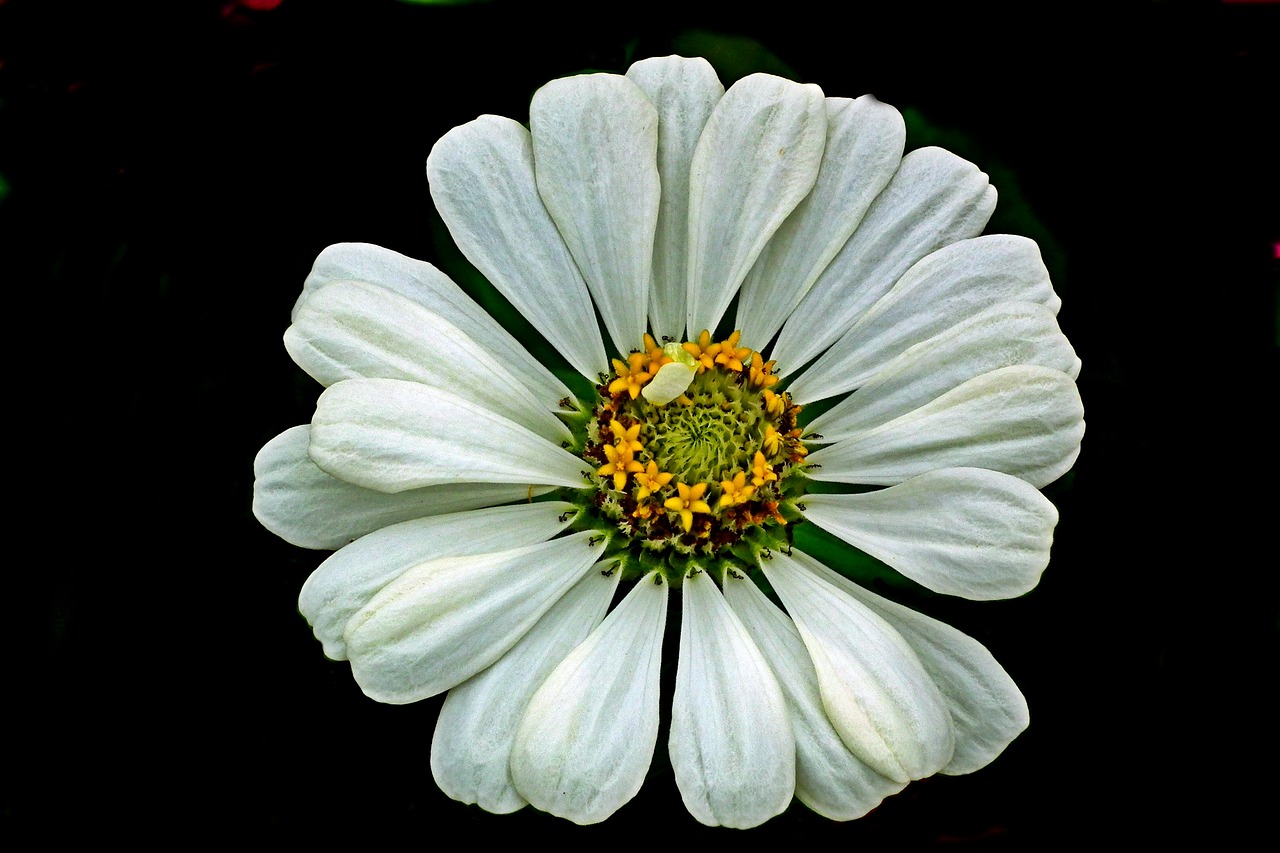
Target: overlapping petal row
[[658, 197]]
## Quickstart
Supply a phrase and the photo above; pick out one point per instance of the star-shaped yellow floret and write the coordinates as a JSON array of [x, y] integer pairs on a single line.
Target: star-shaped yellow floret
[[626, 438], [621, 463], [727, 353], [650, 480], [689, 502], [631, 376], [735, 491], [703, 351]]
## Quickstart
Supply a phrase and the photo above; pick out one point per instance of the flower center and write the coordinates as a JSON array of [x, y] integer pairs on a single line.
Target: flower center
[[693, 453], [712, 435]]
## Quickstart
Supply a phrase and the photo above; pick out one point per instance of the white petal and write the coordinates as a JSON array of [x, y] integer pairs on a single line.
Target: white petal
[[352, 330], [303, 505], [943, 287], [864, 147], [757, 158], [877, 695], [684, 92], [392, 436], [970, 532], [669, 382], [444, 620], [1001, 336], [348, 580], [1023, 420], [471, 750], [432, 289], [987, 709], [934, 199], [830, 779], [483, 184], [731, 744], [595, 153], [586, 740]]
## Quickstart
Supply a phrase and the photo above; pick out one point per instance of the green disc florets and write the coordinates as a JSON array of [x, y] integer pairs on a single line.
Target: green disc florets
[[706, 440], [686, 476]]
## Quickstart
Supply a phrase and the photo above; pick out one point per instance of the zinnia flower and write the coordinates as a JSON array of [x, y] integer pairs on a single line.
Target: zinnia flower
[[485, 519]]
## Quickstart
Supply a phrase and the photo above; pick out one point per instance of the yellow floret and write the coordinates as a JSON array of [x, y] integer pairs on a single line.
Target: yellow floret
[[689, 502], [621, 463], [631, 376], [650, 480], [735, 491]]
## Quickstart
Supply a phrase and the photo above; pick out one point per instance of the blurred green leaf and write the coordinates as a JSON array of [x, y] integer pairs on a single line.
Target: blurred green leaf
[[733, 57]]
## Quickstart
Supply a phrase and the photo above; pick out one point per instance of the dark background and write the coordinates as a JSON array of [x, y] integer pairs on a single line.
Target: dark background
[[169, 172]]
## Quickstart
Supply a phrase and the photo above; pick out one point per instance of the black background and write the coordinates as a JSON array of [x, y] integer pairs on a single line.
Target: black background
[[172, 169]]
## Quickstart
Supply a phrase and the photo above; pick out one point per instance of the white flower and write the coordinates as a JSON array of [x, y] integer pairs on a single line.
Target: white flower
[[492, 518]]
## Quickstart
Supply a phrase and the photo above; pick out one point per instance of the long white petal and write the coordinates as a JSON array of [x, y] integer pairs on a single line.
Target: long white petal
[[731, 744], [864, 147], [348, 580], [1001, 336], [595, 154], [471, 749], [303, 505], [1022, 420], [934, 199], [482, 182], [352, 330], [684, 92], [877, 694], [955, 282], [444, 620], [987, 709], [830, 779], [391, 435], [432, 289], [969, 532], [586, 740], [757, 158]]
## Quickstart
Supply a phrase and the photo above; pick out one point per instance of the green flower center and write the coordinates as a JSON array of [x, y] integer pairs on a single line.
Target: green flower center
[[708, 440], [694, 457]]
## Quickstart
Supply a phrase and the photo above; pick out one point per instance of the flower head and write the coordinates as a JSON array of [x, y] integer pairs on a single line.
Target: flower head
[[485, 519]]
